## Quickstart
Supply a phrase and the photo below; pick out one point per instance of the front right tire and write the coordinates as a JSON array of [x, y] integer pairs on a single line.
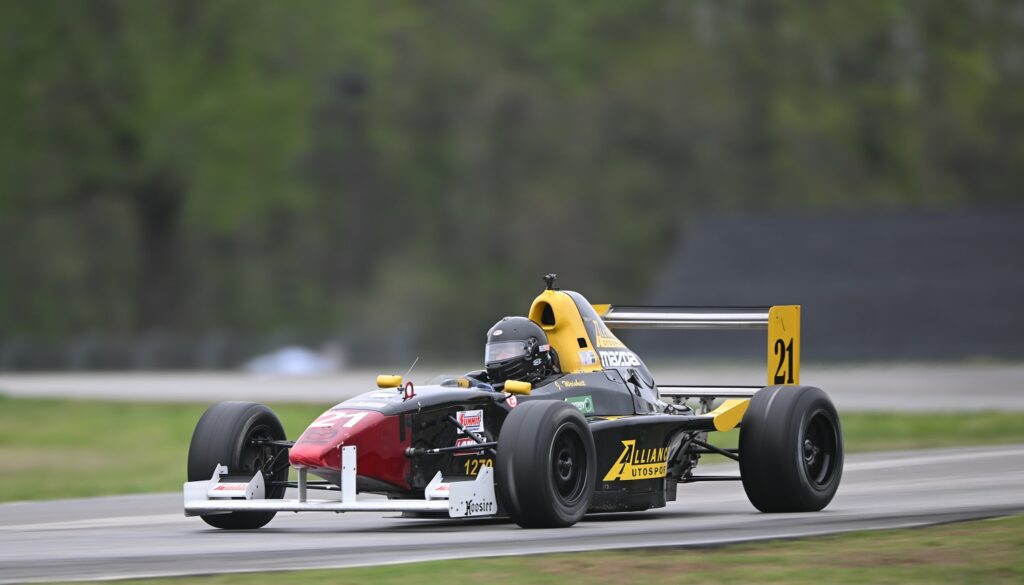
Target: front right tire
[[225, 435]]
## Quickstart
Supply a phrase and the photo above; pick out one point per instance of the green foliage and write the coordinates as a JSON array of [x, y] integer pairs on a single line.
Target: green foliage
[[313, 165]]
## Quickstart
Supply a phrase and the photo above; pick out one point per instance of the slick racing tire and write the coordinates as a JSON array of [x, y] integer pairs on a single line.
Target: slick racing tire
[[224, 435], [791, 449], [546, 464]]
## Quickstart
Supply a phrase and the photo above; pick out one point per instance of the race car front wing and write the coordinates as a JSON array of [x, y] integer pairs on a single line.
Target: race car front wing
[[223, 493]]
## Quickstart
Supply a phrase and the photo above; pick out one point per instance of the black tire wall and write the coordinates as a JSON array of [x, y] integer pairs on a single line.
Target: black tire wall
[[781, 428]]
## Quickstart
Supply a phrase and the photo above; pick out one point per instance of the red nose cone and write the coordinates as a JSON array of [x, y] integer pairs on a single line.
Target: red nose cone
[[380, 450]]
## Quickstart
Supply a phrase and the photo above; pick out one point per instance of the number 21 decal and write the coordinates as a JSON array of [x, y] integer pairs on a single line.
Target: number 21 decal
[[328, 418], [784, 371], [783, 363]]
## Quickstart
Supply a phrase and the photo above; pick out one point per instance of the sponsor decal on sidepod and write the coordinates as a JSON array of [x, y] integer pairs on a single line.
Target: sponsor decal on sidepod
[[634, 463], [619, 359], [585, 404], [473, 420], [462, 442]]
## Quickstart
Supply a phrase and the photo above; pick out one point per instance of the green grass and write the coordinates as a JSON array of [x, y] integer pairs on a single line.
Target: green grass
[[67, 448], [891, 431], [985, 551]]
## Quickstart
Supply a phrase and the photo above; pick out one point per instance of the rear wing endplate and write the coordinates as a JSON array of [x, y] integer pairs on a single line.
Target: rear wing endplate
[[782, 323]]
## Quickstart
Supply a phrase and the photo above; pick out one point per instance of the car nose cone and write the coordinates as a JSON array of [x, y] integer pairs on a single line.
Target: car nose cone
[[380, 445]]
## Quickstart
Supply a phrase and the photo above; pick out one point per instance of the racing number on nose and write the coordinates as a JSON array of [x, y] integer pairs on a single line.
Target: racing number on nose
[[328, 418], [784, 371]]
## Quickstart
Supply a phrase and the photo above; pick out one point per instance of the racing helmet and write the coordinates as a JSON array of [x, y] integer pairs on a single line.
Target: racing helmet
[[518, 349]]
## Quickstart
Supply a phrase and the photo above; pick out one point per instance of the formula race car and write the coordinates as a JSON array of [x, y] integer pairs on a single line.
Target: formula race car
[[564, 421]]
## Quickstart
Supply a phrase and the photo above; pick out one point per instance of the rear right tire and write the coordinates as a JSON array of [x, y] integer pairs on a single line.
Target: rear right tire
[[791, 449]]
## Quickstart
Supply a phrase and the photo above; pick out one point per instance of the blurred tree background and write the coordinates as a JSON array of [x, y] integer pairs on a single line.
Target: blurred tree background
[[399, 175]]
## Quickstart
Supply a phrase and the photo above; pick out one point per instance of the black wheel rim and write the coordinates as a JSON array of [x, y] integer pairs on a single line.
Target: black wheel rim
[[568, 464], [258, 455], [818, 446]]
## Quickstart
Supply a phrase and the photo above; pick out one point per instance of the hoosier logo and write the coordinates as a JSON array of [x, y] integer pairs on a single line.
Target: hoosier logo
[[636, 463]]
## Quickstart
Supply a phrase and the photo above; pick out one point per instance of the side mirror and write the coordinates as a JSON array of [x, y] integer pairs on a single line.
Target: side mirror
[[517, 387], [389, 381]]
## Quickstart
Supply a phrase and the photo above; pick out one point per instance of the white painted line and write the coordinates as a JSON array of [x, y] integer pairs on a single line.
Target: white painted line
[[119, 522]]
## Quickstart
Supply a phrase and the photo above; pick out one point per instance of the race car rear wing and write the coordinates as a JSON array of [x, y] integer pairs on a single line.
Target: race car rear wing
[[782, 323], [624, 317]]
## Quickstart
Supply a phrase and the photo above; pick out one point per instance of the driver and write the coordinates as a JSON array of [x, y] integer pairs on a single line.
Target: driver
[[518, 349]]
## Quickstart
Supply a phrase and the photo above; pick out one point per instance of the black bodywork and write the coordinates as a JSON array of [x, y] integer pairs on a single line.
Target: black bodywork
[[643, 446]]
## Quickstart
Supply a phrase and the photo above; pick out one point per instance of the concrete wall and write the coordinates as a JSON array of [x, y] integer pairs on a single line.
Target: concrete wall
[[896, 286]]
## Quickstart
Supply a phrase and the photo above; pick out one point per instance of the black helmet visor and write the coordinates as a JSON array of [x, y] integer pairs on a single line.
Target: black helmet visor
[[505, 350]]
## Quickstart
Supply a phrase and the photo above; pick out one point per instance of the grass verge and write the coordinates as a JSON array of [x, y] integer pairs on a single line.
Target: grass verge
[[69, 448], [984, 551], [893, 431]]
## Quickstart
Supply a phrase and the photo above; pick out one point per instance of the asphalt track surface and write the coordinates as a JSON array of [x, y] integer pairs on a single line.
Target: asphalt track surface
[[902, 387], [147, 535]]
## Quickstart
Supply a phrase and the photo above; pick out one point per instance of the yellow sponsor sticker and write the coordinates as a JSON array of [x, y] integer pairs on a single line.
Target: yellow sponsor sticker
[[609, 341], [604, 337], [634, 463]]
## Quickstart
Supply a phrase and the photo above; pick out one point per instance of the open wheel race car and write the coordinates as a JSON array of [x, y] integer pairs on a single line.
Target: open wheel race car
[[594, 434]]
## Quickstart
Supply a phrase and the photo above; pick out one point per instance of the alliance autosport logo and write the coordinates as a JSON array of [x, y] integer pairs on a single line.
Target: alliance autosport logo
[[634, 463], [472, 420]]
